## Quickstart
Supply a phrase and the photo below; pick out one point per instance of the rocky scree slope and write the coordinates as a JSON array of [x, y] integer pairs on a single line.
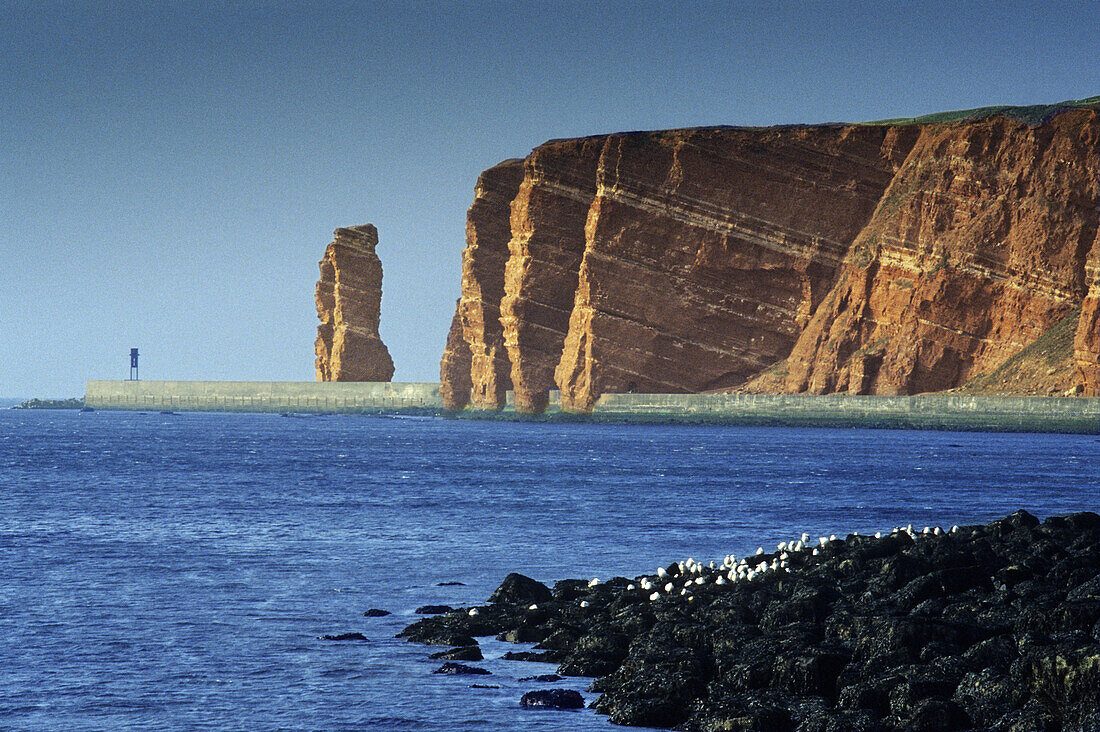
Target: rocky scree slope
[[993, 627], [885, 258]]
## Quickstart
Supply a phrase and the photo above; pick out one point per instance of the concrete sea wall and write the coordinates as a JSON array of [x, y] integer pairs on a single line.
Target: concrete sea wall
[[261, 396], [931, 411], [925, 411]]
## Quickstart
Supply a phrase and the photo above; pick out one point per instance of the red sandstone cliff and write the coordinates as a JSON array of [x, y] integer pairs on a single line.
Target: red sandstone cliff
[[349, 296], [475, 364], [868, 259], [1086, 346], [978, 247]]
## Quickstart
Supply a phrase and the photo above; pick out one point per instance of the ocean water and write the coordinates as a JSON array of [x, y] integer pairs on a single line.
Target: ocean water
[[175, 572]]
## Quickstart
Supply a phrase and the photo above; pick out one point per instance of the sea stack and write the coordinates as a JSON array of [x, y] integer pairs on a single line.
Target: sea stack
[[349, 298]]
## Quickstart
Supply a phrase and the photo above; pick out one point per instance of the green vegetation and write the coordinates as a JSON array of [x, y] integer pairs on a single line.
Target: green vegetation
[[1051, 350], [71, 403], [1032, 115], [863, 253], [945, 261]]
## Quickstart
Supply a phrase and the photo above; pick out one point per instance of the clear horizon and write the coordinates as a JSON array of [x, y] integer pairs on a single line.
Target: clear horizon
[[174, 171]]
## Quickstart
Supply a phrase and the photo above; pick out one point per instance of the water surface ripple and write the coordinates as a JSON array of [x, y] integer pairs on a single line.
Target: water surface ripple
[[175, 571]]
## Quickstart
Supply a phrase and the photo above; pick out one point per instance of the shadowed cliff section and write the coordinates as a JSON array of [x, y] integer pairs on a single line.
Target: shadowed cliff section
[[887, 258], [348, 297]]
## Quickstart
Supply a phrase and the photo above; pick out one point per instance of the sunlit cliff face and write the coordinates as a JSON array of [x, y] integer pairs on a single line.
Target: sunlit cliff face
[[867, 259], [349, 295]]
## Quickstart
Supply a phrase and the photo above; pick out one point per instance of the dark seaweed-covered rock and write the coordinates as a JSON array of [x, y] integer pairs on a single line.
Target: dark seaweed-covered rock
[[545, 678], [433, 609], [376, 613], [552, 699], [520, 590], [460, 669], [437, 635], [345, 637], [993, 627], [462, 653], [534, 656]]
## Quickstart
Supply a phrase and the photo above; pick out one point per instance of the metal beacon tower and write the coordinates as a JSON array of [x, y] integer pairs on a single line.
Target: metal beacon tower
[[134, 365]]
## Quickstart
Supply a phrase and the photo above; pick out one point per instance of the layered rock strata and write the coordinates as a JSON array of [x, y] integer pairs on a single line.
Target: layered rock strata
[[476, 366], [706, 251], [1087, 342], [867, 259], [548, 219], [979, 246], [349, 297]]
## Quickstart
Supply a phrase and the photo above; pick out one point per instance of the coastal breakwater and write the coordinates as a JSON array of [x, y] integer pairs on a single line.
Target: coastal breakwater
[[262, 396], [930, 411]]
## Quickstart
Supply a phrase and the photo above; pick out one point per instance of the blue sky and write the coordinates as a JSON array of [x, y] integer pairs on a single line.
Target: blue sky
[[171, 172]]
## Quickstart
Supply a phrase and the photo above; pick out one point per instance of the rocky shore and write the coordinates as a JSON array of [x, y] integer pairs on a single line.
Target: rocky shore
[[993, 627]]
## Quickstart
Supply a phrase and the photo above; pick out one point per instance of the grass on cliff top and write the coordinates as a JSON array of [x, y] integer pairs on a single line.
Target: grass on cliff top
[[1032, 115]]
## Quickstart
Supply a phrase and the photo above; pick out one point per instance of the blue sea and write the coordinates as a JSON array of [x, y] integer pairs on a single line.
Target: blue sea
[[175, 571]]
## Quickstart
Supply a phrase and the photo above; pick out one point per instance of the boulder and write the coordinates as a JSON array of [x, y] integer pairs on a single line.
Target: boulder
[[517, 589], [460, 669], [552, 699]]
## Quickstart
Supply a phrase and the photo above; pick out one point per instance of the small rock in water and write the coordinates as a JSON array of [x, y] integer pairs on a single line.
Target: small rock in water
[[345, 637], [436, 634], [433, 609], [484, 686], [535, 656], [450, 584], [552, 699], [376, 613], [546, 678], [462, 653], [460, 669]]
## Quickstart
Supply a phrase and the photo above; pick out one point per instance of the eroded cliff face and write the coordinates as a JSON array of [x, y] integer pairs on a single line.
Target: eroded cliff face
[[475, 366], [707, 250], [348, 297], [978, 248], [547, 243], [1086, 345], [870, 259]]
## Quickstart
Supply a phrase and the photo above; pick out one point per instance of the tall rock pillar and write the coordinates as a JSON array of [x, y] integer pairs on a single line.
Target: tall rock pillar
[[349, 298]]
